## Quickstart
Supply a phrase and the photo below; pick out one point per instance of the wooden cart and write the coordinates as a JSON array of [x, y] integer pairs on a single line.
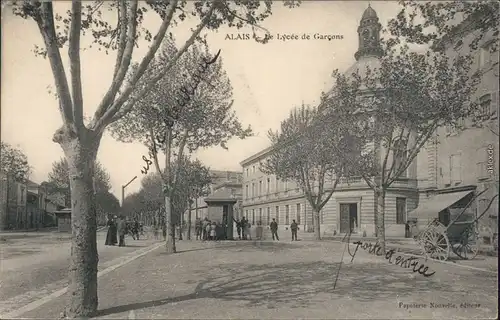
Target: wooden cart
[[460, 236]]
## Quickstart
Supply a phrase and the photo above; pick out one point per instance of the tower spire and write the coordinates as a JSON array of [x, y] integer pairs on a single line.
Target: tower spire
[[369, 35]]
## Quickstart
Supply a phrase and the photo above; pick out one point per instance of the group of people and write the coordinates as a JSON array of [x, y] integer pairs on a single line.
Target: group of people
[[209, 230], [205, 230], [294, 227], [118, 227], [243, 229]]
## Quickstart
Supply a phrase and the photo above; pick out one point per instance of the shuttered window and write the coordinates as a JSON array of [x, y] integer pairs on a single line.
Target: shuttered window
[[455, 168], [400, 210]]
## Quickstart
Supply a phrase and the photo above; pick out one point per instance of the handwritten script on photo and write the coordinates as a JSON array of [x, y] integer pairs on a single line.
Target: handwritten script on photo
[[184, 96], [400, 260]]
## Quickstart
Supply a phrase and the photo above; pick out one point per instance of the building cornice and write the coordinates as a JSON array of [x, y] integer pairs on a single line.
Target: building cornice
[[257, 156]]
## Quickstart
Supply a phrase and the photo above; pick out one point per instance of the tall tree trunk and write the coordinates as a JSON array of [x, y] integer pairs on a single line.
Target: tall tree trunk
[[317, 229], [167, 189], [189, 223], [81, 155], [380, 217], [170, 244]]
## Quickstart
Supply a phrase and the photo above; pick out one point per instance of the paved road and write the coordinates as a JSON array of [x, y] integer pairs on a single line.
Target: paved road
[[253, 280], [33, 265]]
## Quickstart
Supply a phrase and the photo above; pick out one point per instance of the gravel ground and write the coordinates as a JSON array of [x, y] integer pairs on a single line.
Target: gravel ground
[[35, 266], [252, 280]]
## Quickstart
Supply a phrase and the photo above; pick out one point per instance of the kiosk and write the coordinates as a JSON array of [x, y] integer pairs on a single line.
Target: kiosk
[[220, 209], [63, 220]]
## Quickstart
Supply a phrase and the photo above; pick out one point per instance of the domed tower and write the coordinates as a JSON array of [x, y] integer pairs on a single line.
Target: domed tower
[[369, 35]]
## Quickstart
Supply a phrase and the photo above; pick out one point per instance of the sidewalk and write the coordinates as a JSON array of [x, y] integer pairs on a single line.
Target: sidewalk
[[252, 280], [32, 271]]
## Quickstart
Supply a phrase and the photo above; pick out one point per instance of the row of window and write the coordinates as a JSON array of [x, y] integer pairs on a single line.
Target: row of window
[[488, 104], [264, 187], [258, 215], [453, 176], [265, 217], [247, 171]]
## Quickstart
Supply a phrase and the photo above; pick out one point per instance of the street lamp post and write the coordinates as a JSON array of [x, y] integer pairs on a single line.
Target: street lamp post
[[123, 189]]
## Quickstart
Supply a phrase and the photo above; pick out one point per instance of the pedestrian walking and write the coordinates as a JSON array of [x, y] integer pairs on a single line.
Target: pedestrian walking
[[141, 229], [274, 229], [205, 232], [197, 228], [135, 229], [122, 230], [238, 228], [164, 230], [213, 228], [248, 227], [243, 224], [294, 227], [155, 231], [111, 234]]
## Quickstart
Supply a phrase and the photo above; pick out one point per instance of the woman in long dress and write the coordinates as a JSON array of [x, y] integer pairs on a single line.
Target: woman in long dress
[[111, 234]]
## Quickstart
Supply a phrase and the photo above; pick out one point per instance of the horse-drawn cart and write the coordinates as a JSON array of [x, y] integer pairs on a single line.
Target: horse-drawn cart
[[460, 235]]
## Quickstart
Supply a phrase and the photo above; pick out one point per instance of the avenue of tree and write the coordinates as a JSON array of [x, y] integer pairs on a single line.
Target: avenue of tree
[[374, 122], [193, 182], [79, 140]]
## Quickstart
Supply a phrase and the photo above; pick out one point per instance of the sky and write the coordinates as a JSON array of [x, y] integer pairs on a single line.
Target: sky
[[268, 81]]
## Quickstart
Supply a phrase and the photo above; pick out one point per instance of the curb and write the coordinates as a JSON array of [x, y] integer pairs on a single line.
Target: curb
[[38, 303]]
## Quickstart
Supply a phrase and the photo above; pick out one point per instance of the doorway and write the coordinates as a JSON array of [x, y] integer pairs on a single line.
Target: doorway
[[348, 217]]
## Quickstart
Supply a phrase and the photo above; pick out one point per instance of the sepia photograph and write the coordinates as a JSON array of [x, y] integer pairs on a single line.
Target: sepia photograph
[[245, 159]]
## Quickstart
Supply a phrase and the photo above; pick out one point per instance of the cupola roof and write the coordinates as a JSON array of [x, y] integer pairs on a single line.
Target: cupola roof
[[369, 13]]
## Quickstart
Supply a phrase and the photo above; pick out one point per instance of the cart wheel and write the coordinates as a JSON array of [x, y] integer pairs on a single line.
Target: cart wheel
[[435, 243], [468, 246]]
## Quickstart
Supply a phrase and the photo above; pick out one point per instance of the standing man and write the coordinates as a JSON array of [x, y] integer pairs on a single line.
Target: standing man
[[122, 230], [274, 229], [204, 231], [294, 227], [197, 228], [243, 225], [135, 229], [238, 227]]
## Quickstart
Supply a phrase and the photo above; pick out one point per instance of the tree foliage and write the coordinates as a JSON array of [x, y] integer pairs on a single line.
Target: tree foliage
[[133, 204], [121, 33], [193, 182], [428, 22], [14, 162], [303, 154], [107, 204], [401, 103], [203, 116], [59, 180], [189, 109]]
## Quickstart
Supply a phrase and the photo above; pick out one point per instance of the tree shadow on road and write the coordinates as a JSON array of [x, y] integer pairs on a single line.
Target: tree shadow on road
[[296, 285]]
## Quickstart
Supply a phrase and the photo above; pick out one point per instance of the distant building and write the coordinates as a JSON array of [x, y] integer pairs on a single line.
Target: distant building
[[454, 164], [457, 165], [226, 182], [25, 205], [351, 208]]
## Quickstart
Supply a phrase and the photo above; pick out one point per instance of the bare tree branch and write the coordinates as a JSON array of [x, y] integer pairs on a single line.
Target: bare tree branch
[[330, 193], [45, 23], [148, 86], [75, 67], [151, 52], [394, 156], [122, 38], [104, 106]]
